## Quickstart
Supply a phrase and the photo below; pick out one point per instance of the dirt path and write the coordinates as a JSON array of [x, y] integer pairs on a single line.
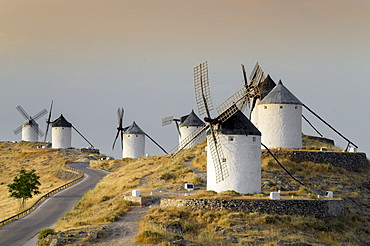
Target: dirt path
[[125, 229], [202, 174]]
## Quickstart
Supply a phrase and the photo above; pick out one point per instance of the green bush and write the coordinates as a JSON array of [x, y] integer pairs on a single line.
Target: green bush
[[45, 232]]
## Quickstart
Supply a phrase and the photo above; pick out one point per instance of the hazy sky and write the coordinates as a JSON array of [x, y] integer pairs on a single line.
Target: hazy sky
[[92, 57]]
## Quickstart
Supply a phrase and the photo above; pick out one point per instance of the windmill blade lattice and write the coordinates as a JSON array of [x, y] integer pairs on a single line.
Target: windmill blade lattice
[[236, 102], [192, 137], [18, 130], [120, 113], [40, 114], [218, 157], [37, 130], [23, 112], [48, 121], [202, 89], [167, 120], [31, 120]]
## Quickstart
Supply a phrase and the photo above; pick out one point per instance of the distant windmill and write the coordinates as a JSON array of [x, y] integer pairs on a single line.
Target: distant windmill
[[61, 132], [30, 129], [185, 126], [277, 113], [132, 138], [233, 142]]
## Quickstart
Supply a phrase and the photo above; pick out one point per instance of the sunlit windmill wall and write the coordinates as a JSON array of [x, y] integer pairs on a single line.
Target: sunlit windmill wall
[[133, 142], [61, 133]]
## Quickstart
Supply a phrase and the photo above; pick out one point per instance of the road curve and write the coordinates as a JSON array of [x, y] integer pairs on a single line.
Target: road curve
[[51, 210]]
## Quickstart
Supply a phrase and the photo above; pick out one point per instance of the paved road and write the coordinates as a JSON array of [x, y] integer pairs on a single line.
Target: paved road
[[53, 209]]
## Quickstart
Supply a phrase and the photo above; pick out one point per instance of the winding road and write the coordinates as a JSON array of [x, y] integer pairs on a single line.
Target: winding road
[[51, 210]]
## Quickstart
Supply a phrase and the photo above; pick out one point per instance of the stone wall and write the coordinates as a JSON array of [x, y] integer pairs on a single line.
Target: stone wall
[[318, 208], [66, 175], [143, 200], [347, 160]]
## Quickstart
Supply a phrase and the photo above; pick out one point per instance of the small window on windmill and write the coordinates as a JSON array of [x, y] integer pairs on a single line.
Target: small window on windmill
[[223, 159], [296, 107], [281, 106], [136, 135], [128, 135], [265, 107], [231, 138], [254, 139]]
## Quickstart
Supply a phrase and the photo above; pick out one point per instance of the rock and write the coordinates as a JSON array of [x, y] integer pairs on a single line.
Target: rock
[[61, 241], [231, 239]]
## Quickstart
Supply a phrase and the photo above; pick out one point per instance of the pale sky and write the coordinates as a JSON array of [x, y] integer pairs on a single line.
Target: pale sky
[[92, 57]]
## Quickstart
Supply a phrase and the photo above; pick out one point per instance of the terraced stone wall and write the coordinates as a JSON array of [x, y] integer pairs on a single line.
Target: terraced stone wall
[[347, 160], [318, 208]]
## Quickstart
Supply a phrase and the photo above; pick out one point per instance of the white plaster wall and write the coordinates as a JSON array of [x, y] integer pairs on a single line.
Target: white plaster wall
[[187, 130], [61, 137], [133, 145], [280, 127], [243, 158], [29, 134]]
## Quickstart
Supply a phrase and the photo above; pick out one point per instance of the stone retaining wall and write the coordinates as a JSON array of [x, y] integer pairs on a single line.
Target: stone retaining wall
[[318, 208], [66, 175], [142, 200], [347, 160]]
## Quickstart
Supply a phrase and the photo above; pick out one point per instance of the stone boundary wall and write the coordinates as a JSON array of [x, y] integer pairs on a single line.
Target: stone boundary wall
[[318, 208], [347, 160], [66, 175], [142, 200]]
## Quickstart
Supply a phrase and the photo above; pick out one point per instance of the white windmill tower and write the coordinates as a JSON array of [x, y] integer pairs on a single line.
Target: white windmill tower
[[233, 143], [264, 88], [30, 129], [280, 119], [186, 125], [61, 133], [132, 138]]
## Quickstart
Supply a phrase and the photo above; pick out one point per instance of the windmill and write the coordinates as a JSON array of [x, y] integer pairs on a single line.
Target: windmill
[[224, 158], [132, 138], [30, 129], [185, 126], [279, 95]]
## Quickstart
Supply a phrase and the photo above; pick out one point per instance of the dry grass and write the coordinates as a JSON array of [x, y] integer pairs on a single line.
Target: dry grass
[[14, 157], [214, 227], [310, 143], [105, 204]]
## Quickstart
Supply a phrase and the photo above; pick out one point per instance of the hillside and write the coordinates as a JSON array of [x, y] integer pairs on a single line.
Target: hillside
[[161, 176], [46, 162]]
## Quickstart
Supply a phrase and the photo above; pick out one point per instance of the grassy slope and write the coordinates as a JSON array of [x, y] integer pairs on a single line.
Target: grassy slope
[[14, 156], [105, 204]]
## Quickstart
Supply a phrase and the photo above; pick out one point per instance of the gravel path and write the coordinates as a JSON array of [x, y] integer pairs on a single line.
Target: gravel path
[[125, 229]]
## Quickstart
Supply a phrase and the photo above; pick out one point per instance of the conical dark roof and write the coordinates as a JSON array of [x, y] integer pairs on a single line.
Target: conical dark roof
[[266, 86], [238, 124], [192, 120], [280, 95], [61, 122], [134, 129]]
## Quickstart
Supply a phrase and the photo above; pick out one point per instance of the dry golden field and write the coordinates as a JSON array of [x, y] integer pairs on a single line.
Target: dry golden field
[[15, 156], [162, 224]]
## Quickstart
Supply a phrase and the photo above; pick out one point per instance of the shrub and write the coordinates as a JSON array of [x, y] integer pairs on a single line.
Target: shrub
[[148, 236], [45, 232]]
